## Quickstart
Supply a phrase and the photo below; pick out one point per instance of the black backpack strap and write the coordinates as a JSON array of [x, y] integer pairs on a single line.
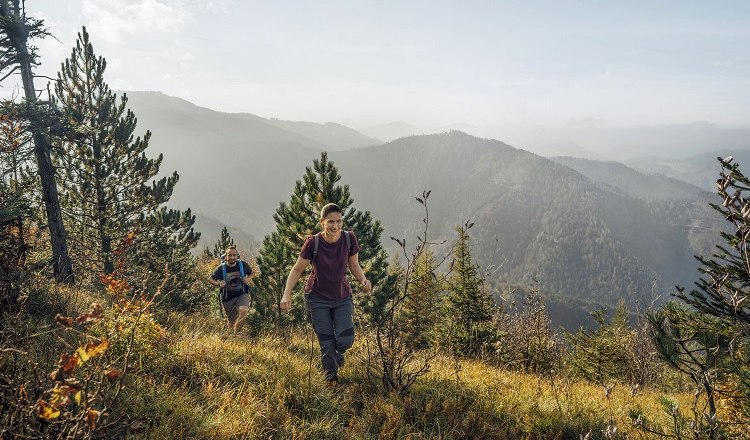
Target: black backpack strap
[[316, 243]]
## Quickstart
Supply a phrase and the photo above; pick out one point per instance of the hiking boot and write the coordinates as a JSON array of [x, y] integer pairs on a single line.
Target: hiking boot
[[331, 376], [340, 359]]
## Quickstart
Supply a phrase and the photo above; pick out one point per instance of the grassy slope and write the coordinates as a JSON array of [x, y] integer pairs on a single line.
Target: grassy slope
[[234, 387]]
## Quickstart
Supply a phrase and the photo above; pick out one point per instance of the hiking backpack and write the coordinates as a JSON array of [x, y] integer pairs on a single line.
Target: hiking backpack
[[223, 291]]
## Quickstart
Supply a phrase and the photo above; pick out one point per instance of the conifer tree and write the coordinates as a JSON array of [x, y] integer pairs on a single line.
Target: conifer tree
[[709, 339], [300, 218], [107, 178], [224, 243], [603, 354], [162, 257], [16, 209], [420, 313], [274, 259], [18, 55], [469, 306]]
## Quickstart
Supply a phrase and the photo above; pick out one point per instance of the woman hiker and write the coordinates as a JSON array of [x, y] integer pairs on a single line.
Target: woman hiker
[[328, 296]]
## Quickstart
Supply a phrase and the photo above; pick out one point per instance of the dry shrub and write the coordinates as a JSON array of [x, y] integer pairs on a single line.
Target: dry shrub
[[526, 340]]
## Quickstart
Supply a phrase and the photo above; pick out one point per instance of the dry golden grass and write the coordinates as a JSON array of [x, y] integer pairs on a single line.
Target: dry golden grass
[[216, 386]]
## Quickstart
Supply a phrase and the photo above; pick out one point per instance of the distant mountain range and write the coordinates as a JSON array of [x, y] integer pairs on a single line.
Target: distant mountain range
[[392, 131], [617, 177], [587, 232], [538, 219], [701, 170]]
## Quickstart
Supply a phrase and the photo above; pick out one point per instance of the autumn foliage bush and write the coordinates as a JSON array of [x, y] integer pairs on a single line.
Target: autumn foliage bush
[[62, 378]]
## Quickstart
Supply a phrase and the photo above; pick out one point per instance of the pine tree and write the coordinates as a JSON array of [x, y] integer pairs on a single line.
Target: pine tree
[[224, 243], [300, 218], [469, 306], [274, 259], [16, 30], [420, 313], [162, 258], [15, 208], [603, 354], [107, 184], [709, 339]]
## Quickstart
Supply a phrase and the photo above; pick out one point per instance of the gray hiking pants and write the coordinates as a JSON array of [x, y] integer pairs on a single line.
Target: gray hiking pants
[[332, 322]]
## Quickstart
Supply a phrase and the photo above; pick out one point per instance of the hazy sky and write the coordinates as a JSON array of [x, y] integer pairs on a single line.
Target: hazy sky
[[426, 62]]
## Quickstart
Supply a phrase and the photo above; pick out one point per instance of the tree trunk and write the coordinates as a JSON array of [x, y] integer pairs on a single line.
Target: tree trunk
[[61, 263], [105, 241], [62, 266]]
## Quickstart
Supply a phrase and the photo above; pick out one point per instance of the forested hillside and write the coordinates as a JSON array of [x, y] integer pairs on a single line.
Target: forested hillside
[[539, 221], [699, 170]]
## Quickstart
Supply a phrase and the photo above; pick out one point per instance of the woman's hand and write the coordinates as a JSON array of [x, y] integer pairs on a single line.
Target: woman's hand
[[366, 285], [286, 303]]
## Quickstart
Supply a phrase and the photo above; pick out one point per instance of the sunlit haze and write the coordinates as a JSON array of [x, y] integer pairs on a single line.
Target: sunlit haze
[[494, 68]]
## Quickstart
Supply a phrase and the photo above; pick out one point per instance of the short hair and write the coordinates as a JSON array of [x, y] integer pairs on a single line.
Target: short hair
[[230, 247], [329, 208]]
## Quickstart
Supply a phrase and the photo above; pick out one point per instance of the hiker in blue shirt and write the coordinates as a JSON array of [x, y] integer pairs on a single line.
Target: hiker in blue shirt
[[232, 277]]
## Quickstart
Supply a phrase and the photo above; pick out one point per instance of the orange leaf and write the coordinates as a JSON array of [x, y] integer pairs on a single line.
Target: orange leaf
[[92, 416], [94, 314], [113, 373], [47, 411], [68, 363], [63, 320]]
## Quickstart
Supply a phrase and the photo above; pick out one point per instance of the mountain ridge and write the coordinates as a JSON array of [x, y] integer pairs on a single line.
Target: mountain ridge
[[553, 225]]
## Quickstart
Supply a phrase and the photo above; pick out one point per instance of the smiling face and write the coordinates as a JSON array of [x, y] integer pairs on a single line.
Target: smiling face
[[332, 224], [231, 256]]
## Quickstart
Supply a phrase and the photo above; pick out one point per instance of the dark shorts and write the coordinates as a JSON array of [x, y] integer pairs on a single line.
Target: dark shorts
[[232, 306]]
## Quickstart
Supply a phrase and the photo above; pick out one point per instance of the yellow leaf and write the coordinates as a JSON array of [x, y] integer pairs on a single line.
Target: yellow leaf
[[82, 355], [91, 349], [47, 411], [58, 395], [97, 348], [78, 397]]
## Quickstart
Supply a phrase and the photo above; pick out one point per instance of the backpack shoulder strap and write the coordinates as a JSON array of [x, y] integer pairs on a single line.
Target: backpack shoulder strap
[[242, 268], [316, 243], [223, 271]]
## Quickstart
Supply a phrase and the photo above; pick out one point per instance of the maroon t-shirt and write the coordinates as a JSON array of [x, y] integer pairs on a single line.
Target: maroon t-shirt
[[328, 278]]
